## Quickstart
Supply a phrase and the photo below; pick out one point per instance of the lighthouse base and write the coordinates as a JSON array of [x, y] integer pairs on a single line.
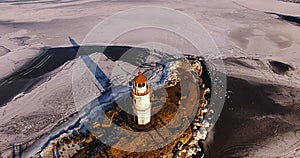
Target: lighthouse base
[[143, 118], [146, 127]]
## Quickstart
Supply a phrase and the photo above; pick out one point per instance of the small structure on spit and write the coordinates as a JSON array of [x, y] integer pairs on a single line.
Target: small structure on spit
[[141, 99]]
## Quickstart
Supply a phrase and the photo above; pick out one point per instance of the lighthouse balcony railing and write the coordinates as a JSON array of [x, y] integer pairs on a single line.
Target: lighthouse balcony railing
[[148, 90]]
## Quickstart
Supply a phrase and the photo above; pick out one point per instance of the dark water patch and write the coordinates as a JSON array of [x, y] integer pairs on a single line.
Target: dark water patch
[[237, 131], [206, 74], [291, 1], [8, 91], [47, 60], [291, 19], [238, 62], [206, 79], [279, 67], [15, 24], [24, 2], [133, 55], [51, 58], [42, 26]]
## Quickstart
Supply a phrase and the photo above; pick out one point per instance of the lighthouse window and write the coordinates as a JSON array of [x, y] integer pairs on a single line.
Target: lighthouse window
[[141, 84]]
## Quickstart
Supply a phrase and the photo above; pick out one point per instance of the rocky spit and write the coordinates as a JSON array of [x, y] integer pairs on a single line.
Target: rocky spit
[[81, 141]]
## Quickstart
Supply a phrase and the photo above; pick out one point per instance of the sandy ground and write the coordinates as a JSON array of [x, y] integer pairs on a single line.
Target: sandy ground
[[247, 37]]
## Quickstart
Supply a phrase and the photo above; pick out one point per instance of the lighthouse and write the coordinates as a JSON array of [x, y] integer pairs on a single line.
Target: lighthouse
[[141, 99]]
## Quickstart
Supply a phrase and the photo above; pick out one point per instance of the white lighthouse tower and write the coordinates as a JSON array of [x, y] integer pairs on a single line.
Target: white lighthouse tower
[[141, 98]]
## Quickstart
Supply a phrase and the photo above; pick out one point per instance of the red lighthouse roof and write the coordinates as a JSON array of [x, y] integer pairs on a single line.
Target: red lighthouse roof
[[140, 78]]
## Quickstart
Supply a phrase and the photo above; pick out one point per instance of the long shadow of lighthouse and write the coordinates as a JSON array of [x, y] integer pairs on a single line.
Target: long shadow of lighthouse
[[16, 150]]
